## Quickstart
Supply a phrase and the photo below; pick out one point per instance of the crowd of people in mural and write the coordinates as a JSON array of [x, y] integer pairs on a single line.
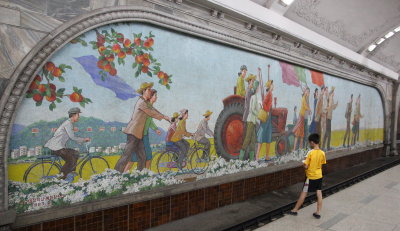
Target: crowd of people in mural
[[257, 118]]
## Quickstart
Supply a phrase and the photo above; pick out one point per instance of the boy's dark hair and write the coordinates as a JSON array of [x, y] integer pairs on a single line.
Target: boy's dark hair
[[314, 138]]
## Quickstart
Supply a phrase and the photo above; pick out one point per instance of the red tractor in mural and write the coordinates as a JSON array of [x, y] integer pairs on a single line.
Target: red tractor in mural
[[228, 135]]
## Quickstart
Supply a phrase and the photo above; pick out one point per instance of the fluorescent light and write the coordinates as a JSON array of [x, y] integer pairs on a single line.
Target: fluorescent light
[[390, 34], [397, 29], [380, 41], [287, 2], [371, 47]]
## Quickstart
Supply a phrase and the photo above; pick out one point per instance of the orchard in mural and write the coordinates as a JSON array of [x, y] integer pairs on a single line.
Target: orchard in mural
[[115, 123]]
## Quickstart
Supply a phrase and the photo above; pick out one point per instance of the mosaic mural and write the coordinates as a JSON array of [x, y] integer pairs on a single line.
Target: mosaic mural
[[130, 107]]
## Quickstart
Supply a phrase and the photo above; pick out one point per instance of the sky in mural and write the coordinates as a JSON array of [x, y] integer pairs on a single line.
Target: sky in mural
[[203, 72]]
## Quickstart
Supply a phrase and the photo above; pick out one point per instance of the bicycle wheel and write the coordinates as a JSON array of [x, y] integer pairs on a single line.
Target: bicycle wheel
[[168, 162], [91, 166], [199, 161], [40, 170]]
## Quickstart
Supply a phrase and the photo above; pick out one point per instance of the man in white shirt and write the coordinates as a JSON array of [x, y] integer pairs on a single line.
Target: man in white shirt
[[58, 143]]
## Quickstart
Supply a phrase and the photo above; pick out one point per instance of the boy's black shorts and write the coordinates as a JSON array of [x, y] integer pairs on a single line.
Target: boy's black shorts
[[312, 185]]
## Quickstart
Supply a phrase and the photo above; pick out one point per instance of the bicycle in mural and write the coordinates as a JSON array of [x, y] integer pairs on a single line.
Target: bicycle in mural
[[196, 160], [49, 166]]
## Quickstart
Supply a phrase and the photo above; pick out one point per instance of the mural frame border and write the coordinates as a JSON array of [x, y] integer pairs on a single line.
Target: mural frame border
[[57, 39]]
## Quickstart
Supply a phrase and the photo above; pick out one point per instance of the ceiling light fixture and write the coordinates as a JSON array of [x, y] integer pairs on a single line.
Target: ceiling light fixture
[[371, 47], [287, 2], [380, 41], [390, 34], [397, 29]]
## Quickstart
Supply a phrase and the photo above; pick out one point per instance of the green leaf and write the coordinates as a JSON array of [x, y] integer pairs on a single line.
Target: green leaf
[[134, 65], [119, 61], [149, 74], [88, 100], [107, 52], [68, 67], [140, 35], [48, 92], [75, 89], [84, 43], [58, 100], [61, 79], [28, 95], [51, 77], [108, 40], [168, 87], [38, 103], [137, 73], [112, 30], [93, 43], [62, 66], [82, 104], [151, 48], [123, 62], [80, 91], [160, 81]]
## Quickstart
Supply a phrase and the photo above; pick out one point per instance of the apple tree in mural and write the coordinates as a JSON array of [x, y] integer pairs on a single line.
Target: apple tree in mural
[[115, 47], [44, 87]]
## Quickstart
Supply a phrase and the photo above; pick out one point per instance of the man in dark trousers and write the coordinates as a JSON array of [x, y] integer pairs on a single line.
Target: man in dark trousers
[[135, 128]]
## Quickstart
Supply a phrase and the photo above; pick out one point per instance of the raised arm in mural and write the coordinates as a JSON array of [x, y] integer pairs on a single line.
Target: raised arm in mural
[[58, 144], [135, 128], [113, 46], [44, 87]]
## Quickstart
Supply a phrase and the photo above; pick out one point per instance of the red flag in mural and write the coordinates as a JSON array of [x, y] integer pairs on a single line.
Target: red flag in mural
[[289, 75], [317, 78]]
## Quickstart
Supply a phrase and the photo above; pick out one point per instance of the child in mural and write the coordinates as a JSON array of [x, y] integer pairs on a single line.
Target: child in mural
[[356, 121], [249, 141], [57, 144], [240, 89], [313, 125], [347, 115], [295, 115], [135, 128], [298, 129], [202, 130], [149, 124], [181, 132], [329, 111], [264, 134], [171, 129], [313, 165]]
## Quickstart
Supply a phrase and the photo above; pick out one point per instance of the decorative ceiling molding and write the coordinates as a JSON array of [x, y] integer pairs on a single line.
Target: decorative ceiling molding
[[308, 10]]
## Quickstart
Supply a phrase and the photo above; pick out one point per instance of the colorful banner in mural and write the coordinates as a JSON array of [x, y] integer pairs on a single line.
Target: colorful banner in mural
[[130, 107]]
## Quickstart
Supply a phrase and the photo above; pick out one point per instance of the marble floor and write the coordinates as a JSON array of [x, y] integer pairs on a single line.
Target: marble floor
[[373, 204]]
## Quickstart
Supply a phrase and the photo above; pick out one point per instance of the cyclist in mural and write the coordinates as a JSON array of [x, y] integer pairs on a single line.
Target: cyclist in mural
[[202, 130], [347, 115], [356, 120], [313, 125], [264, 134], [135, 128], [298, 129], [181, 132], [249, 140], [329, 110], [149, 124], [240, 88], [57, 144]]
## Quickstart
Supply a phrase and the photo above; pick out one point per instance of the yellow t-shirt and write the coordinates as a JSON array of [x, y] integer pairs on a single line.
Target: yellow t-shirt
[[314, 160]]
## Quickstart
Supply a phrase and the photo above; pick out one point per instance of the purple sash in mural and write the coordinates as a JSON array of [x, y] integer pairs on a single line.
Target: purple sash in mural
[[116, 84]]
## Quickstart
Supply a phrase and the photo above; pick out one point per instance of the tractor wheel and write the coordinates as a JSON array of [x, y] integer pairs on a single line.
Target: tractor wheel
[[282, 146], [228, 134]]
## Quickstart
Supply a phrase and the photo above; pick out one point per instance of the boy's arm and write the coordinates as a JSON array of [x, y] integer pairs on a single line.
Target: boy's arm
[[306, 162]]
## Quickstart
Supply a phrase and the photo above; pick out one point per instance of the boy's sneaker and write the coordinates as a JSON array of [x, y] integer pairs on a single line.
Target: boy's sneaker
[[316, 215], [292, 213]]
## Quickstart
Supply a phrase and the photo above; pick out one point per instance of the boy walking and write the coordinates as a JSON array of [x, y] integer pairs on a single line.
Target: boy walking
[[313, 165]]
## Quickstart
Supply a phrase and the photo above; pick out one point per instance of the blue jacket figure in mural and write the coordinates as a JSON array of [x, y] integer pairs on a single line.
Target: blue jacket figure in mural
[[146, 140], [57, 144]]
